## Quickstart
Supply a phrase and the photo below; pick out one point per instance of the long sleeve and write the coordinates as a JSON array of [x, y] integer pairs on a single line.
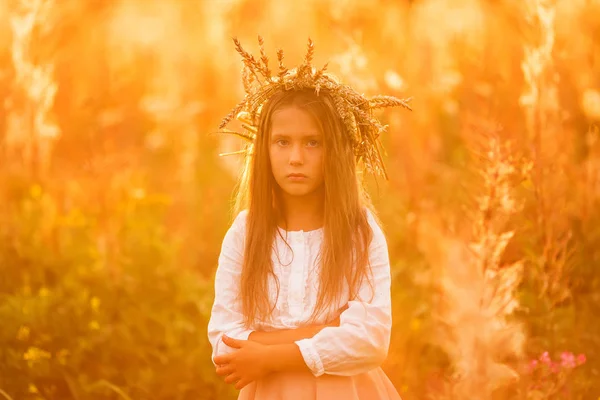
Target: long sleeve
[[361, 342], [226, 315]]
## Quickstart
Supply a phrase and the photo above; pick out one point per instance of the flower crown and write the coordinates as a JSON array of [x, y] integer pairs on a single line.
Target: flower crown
[[355, 110]]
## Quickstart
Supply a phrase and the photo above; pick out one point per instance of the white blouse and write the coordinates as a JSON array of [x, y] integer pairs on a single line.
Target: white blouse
[[361, 341]]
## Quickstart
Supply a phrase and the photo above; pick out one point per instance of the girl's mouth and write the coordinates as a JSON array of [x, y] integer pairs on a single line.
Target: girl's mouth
[[297, 177]]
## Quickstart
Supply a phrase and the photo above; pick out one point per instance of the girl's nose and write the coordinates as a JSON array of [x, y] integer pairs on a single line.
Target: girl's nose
[[296, 155]]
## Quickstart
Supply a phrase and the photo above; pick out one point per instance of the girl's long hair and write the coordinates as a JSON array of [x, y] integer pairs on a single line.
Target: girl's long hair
[[347, 233]]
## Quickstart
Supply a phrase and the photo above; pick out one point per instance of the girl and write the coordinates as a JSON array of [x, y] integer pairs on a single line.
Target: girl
[[302, 291]]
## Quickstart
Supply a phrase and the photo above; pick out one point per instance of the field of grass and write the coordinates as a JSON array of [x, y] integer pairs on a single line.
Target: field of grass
[[114, 200]]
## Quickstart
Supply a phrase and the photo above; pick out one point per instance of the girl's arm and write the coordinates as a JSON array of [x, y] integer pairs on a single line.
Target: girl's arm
[[226, 316], [286, 357], [290, 336], [285, 336]]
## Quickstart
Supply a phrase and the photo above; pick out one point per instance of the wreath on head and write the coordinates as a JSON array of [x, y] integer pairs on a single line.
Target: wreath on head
[[355, 110]]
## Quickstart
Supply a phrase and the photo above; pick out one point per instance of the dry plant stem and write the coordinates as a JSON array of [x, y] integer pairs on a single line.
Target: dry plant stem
[[264, 58], [477, 290], [35, 82], [282, 69], [542, 112], [591, 172]]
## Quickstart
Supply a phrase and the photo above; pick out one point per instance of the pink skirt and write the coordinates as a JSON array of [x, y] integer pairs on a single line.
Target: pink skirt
[[372, 385]]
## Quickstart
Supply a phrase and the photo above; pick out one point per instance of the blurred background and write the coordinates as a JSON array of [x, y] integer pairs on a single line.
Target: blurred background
[[114, 200]]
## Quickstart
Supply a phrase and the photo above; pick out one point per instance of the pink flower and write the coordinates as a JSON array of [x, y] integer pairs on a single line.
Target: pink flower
[[531, 366], [581, 359], [567, 359], [545, 358]]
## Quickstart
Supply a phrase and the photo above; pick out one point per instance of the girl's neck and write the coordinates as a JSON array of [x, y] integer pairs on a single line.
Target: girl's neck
[[304, 213]]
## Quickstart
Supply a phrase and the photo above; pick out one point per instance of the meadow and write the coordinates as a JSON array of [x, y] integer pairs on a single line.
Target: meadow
[[114, 199]]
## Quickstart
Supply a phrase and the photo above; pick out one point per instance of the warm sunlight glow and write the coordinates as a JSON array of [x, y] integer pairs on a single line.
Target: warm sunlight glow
[[114, 200]]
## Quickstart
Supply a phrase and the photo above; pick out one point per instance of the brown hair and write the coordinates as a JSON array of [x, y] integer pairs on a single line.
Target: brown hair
[[347, 233]]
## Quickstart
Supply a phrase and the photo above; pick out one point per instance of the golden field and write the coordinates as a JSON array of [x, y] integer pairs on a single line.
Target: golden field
[[114, 200]]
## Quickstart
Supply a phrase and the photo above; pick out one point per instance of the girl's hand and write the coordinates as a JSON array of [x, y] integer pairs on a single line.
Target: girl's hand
[[245, 365]]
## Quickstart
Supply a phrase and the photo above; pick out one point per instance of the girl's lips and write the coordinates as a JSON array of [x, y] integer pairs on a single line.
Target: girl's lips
[[296, 177]]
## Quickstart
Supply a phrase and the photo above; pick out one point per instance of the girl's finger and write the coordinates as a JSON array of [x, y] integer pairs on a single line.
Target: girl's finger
[[224, 359], [240, 385], [225, 370], [233, 378], [236, 344]]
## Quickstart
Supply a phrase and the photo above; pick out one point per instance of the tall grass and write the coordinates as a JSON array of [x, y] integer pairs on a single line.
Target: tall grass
[[31, 130], [477, 287], [114, 201]]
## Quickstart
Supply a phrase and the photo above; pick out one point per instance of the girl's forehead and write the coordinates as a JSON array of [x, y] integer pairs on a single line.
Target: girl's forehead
[[293, 120]]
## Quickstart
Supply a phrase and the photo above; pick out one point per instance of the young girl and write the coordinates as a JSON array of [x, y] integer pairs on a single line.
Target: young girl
[[302, 291]]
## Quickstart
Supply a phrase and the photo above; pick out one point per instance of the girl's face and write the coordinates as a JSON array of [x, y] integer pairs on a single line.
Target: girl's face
[[296, 151]]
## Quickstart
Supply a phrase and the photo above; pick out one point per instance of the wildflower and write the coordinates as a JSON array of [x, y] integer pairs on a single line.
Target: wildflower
[[567, 359], [545, 358], [23, 333], [94, 325], [532, 365], [95, 303], [35, 354], [581, 359]]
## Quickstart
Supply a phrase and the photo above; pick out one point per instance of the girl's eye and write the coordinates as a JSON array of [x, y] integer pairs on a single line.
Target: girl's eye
[[282, 142], [313, 143]]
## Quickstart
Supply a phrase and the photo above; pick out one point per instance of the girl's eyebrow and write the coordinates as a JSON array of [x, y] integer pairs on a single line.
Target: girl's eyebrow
[[305, 135]]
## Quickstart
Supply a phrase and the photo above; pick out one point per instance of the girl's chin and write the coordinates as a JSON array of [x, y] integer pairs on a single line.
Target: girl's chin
[[297, 191]]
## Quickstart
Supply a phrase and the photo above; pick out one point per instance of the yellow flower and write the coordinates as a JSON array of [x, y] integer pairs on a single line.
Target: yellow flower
[[44, 292], [95, 303], [32, 388], [94, 325], [35, 354], [23, 333]]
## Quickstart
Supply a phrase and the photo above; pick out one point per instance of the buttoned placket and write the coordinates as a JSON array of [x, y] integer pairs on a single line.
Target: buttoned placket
[[296, 279]]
